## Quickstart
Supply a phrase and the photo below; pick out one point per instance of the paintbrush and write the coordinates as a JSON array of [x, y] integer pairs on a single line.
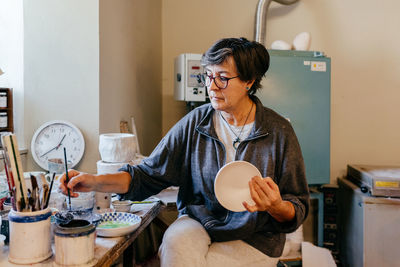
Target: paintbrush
[[45, 190], [66, 177], [34, 197], [51, 186], [10, 146], [31, 201], [9, 181]]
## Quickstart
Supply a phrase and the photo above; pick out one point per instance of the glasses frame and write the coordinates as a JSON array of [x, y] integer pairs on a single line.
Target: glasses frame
[[204, 77]]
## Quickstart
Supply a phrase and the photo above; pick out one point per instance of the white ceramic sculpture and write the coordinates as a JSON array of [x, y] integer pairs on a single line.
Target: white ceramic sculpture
[[107, 167], [117, 147], [280, 45], [302, 41]]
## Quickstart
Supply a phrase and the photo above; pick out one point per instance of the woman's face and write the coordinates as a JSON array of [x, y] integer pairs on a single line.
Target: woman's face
[[231, 97]]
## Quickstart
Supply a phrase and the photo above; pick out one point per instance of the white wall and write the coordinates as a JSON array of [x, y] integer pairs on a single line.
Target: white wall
[[130, 69], [11, 59], [361, 37], [61, 59], [93, 63]]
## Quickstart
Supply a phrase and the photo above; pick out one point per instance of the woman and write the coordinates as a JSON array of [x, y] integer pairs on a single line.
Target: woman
[[234, 126]]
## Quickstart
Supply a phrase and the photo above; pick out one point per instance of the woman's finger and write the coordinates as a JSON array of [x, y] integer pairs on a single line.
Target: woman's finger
[[263, 186], [260, 192], [249, 207], [74, 181], [253, 192], [271, 183]]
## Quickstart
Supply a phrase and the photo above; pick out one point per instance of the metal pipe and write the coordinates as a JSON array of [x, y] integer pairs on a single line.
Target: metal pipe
[[261, 17]]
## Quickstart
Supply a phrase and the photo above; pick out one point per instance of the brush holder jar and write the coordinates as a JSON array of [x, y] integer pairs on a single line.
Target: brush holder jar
[[30, 237]]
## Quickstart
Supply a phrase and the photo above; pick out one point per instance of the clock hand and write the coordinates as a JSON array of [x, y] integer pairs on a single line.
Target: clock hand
[[56, 147], [62, 139], [48, 151]]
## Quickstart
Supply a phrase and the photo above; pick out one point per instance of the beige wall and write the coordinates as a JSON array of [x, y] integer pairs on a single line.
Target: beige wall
[[130, 69], [93, 63], [361, 37], [61, 77]]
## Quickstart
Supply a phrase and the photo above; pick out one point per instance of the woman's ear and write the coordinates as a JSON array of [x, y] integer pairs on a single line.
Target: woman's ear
[[249, 85]]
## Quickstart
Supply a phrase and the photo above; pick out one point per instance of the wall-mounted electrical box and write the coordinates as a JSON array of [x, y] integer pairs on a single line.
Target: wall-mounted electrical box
[[188, 85]]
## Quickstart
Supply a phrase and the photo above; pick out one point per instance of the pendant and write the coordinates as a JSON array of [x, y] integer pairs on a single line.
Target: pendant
[[236, 143]]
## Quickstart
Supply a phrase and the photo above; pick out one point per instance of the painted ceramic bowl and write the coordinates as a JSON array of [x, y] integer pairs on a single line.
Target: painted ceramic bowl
[[118, 224]]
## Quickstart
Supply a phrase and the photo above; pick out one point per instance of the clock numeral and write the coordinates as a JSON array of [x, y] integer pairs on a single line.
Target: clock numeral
[[47, 136]]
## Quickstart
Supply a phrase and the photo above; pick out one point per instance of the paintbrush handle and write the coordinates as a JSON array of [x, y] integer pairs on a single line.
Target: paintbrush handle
[[10, 146], [6, 171], [66, 176], [51, 187]]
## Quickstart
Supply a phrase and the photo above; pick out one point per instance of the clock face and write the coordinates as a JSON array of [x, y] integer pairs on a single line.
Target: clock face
[[49, 141]]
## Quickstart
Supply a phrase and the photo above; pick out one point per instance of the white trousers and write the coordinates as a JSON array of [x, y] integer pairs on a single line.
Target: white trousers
[[186, 243]]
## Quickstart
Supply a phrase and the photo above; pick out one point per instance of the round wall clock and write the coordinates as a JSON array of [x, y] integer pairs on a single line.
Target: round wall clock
[[49, 141]]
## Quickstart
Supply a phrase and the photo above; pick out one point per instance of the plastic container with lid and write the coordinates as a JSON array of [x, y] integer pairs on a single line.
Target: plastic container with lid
[[3, 120], [3, 99]]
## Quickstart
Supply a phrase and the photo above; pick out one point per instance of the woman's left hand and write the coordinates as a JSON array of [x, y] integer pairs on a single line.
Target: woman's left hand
[[265, 193], [267, 197]]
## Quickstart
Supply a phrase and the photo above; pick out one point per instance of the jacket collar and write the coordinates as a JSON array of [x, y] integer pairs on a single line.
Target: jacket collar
[[206, 125]]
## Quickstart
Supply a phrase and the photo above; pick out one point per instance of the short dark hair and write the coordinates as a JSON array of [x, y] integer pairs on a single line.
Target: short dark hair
[[251, 58]]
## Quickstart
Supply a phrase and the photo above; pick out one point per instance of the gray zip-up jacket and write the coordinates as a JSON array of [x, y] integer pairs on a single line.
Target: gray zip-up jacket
[[190, 155]]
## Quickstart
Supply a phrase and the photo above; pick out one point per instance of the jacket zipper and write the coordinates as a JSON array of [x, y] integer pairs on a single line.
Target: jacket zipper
[[247, 140], [216, 139]]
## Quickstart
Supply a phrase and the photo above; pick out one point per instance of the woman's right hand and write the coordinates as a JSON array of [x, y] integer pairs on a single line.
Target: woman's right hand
[[78, 182]]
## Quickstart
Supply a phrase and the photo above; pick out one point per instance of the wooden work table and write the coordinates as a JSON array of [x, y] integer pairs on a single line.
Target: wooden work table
[[107, 249]]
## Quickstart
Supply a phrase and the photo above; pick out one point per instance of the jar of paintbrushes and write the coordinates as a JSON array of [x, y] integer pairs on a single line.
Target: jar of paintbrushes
[[30, 237], [29, 218]]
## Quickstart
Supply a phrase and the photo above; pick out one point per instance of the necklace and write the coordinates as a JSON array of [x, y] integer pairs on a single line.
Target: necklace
[[237, 141]]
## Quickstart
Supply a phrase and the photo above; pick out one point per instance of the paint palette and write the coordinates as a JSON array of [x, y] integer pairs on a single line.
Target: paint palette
[[114, 224]]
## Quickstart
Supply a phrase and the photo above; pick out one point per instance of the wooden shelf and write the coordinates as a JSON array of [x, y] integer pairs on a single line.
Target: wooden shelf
[[7, 109]]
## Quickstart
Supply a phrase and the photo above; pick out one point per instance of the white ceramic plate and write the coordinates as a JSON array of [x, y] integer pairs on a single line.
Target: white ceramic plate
[[117, 224], [231, 185]]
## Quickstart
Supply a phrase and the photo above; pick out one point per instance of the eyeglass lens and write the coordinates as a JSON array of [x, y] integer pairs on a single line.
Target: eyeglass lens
[[220, 82]]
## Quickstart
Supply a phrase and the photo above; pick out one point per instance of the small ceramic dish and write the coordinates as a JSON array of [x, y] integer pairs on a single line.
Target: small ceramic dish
[[114, 224], [84, 202], [122, 205], [101, 211], [231, 185]]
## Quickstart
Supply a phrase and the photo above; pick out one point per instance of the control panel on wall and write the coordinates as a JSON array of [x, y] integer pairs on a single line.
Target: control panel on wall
[[188, 85]]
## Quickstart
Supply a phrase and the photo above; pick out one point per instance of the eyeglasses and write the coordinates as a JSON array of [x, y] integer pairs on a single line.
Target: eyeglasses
[[220, 82]]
